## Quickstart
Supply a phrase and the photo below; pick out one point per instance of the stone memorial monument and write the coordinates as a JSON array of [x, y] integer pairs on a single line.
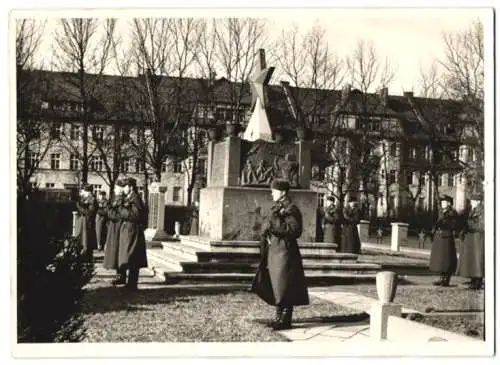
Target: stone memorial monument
[[237, 198]]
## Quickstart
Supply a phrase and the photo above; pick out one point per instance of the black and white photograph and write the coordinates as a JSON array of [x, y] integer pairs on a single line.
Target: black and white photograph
[[317, 180]]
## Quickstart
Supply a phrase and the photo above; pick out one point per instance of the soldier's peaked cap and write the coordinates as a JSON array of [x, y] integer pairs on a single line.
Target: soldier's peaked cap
[[280, 184], [446, 198], [120, 183], [130, 181]]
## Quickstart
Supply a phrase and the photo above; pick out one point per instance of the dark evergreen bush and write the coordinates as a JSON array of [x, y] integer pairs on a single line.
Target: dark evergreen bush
[[51, 275]]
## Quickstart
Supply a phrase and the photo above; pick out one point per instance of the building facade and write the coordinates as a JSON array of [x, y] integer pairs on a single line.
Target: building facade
[[376, 145]]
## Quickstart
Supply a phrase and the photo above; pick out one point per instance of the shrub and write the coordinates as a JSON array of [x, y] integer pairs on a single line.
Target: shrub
[[51, 275]]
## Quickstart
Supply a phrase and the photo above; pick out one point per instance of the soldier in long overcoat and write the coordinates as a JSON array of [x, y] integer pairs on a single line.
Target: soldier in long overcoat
[[87, 210], [471, 259], [132, 248], [113, 234], [443, 258], [332, 222], [100, 220], [350, 242], [280, 279]]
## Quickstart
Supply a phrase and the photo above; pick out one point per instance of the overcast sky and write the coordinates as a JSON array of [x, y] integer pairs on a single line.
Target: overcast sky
[[410, 38]]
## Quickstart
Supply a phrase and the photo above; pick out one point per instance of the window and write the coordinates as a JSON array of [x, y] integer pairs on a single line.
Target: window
[[125, 135], [176, 194], [392, 176], [202, 167], [343, 147], [56, 130], [451, 179], [321, 199], [177, 167], [75, 132], [34, 159], [318, 173], [74, 162], [342, 175], [98, 133], [409, 177], [443, 181], [97, 188], [125, 165], [190, 164], [49, 185], [55, 161], [393, 150], [45, 105], [413, 152], [164, 166], [96, 163], [139, 166]]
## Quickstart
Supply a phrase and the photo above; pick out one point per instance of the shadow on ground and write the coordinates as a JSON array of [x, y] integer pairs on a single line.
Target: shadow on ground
[[112, 299]]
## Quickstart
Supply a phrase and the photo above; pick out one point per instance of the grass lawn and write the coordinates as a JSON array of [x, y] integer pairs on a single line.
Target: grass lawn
[[467, 325], [432, 300], [159, 313], [428, 298]]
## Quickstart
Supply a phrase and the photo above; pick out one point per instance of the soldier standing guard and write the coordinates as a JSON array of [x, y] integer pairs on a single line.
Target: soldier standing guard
[[87, 208], [443, 252], [100, 221], [113, 233], [332, 222], [471, 260], [132, 248], [280, 279], [350, 242]]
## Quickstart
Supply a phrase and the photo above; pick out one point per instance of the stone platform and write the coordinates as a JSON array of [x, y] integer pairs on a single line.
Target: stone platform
[[195, 259]]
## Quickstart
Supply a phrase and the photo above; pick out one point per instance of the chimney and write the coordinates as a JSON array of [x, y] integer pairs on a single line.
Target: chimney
[[384, 93], [262, 58], [408, 94], [346, 91]]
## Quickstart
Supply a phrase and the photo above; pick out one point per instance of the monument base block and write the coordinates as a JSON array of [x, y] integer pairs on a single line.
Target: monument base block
[[238, 213]]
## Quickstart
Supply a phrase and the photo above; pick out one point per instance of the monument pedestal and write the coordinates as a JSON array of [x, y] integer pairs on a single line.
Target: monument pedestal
[[156, 230], [238, 213]]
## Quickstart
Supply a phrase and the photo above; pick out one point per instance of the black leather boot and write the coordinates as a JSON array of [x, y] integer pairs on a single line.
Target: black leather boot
[[446, 280], [122, 277], [285, 321], [277, 316], [440, 281], [133, 279]]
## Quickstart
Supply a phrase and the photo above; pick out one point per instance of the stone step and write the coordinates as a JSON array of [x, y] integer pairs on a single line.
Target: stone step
[[158, 261], [200, 243], [312, 279], [182, 250], [253, 247], [221, 256], [243, 267]]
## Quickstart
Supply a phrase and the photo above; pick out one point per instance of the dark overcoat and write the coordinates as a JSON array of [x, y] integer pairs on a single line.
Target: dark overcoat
[[101, 223], [132, 247], [280, 278], [332, 222], [113, 233], [471, 259], [350, 242], [87, 210], [443, 252]]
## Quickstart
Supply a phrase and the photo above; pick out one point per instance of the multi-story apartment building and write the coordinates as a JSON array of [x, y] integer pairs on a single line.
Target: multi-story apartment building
[[388, 147]]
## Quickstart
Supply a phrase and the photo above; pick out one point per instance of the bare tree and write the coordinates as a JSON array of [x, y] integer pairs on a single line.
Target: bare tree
[[33, 135], [361, 128], [456, 117], [308, 64], [83, 48], [237, 41], [164, 52]]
